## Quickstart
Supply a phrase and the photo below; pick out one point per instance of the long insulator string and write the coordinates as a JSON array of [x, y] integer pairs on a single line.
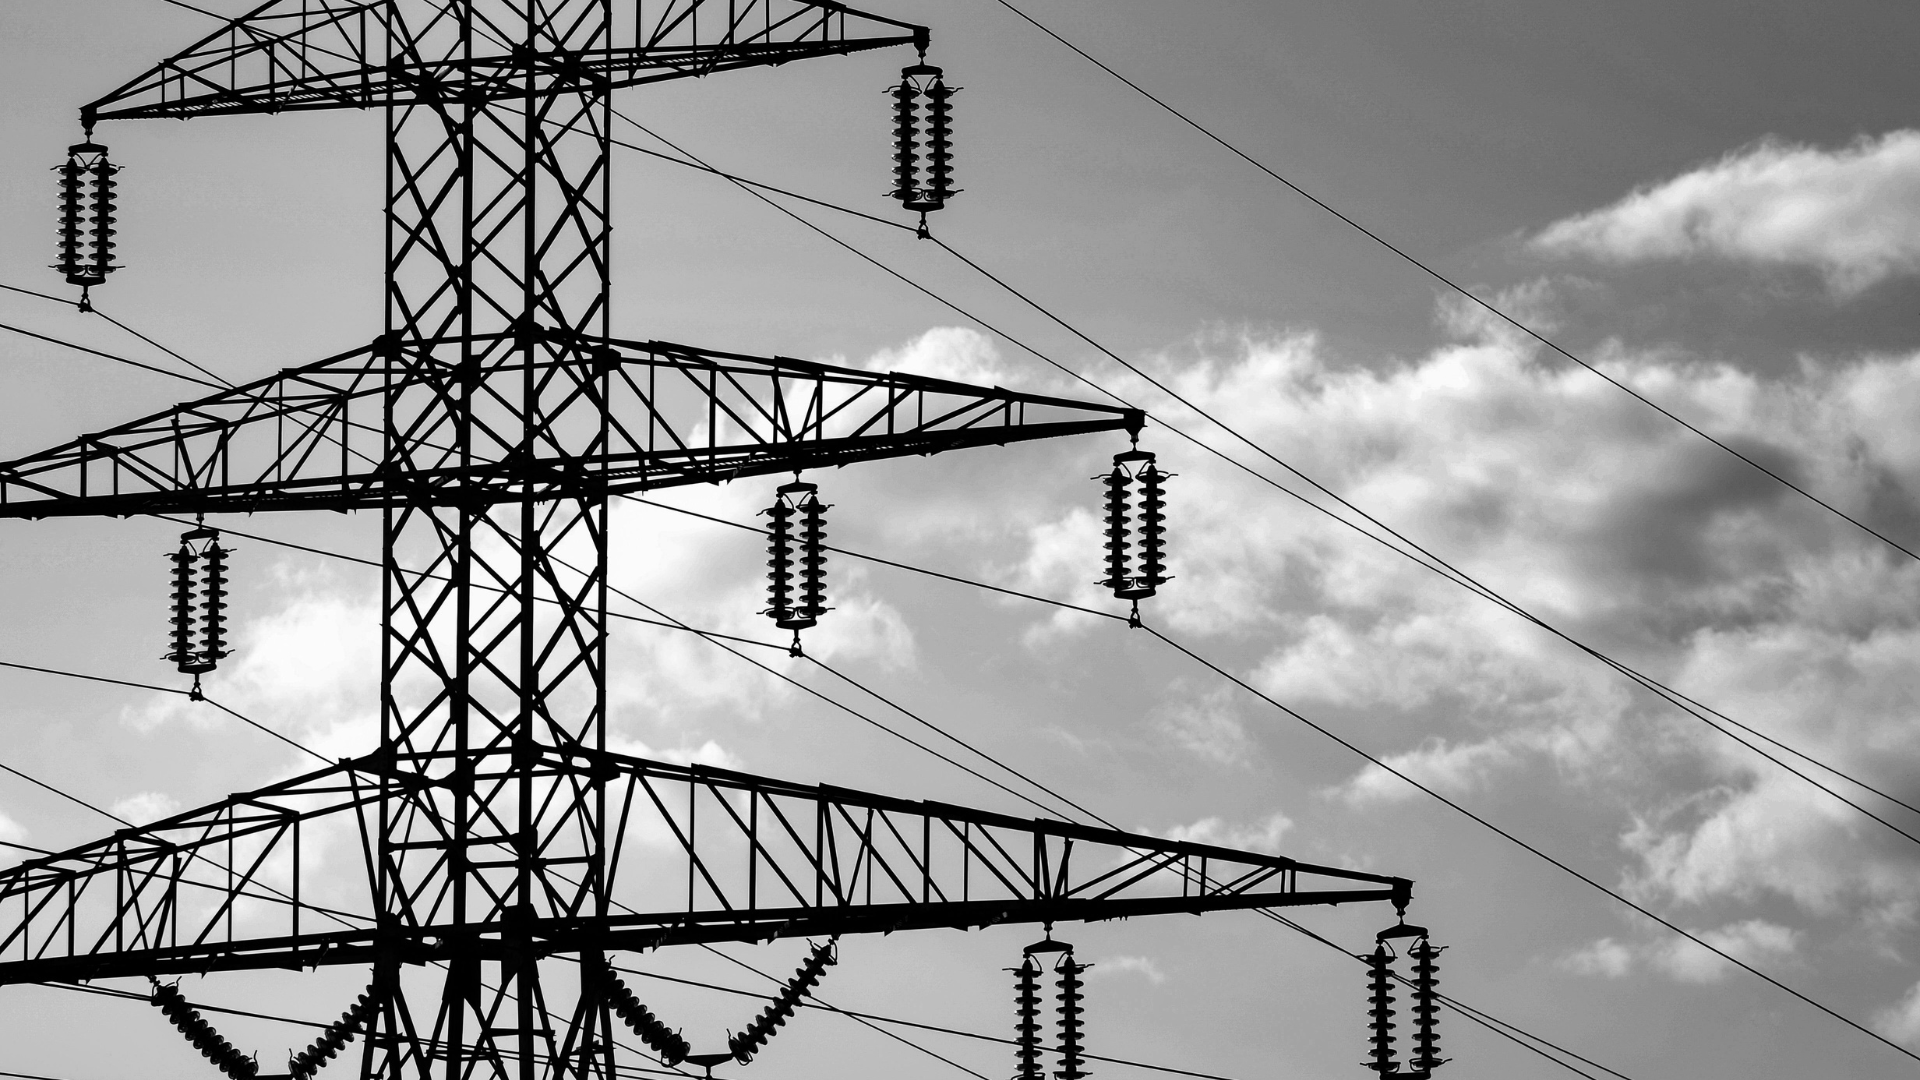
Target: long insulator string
[[906, 153], [748, 1043], [1153, 528], [1026, 1004], [780, 562], [1380, 1000], [180, 640], [1426, 1011], [335, 1036], [72, 219], [1117, 544], [1072, 1052], [213, 624], [813, 558], [939, 142], [190, 1023], [661, 1039]]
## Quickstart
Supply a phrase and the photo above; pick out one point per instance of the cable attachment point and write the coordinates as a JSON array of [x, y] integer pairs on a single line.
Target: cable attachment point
[[335, 1036], [922, 140], [1426, 1010], [796, 559], [748, 1043], [188, 1021], [86, 182], [1136, 507], [199, 570], [662, 1040]]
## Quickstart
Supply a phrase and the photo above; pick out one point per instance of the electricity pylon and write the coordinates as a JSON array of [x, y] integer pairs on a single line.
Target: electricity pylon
[[489, 425]]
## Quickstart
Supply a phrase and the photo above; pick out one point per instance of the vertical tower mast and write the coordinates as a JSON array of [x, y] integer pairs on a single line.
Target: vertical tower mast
[[492, 667]]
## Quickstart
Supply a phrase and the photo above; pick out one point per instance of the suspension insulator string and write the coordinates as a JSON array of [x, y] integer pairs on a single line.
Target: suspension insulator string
[[188, 1021], [180, 649], [199, 569], [213, 623], [923, 189], [1026, 1028], [1426, 1010], [1072, 1051], [662, 1040], [1380, 1009], [1135, 568], [796, 559], [335, 1036], [906, 142], [749, 1042], [87, 214]]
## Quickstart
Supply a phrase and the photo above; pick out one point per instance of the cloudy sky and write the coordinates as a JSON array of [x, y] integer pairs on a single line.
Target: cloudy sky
[[1716, 203]]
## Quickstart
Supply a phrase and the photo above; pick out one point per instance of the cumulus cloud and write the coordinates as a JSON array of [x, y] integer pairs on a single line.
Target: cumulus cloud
[[1853, 213], [1207, 726], [1143, 966], [1264, 835], [1752, 941], [1901, 1021], [1610, 522]]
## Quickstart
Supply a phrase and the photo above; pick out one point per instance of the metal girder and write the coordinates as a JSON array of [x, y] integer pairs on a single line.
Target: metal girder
[[725, 856], [316, 437], [304, 55]]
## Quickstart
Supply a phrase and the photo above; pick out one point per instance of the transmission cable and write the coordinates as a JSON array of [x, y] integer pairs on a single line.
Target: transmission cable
[[1449, 283], [1425, 557]]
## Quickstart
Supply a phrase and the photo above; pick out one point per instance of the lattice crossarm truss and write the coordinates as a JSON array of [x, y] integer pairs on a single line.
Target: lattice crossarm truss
[[304, 55], [316, 437], [727, 856], [232, 882], [749, 858]]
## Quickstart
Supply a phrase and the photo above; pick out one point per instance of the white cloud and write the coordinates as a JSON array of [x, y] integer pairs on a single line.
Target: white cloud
[[1853, 213], [1753, 941], [1263, 836], [1144, 966], [1603, 518], [1605, 957], [1208, 727], [1901, 1021], [145, 807]]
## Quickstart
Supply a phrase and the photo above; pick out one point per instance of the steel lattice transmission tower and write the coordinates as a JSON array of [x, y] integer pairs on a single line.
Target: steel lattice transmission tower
[[489, 425]]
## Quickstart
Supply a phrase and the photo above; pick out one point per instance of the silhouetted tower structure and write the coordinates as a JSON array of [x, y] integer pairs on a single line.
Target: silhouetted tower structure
[[489, 425]]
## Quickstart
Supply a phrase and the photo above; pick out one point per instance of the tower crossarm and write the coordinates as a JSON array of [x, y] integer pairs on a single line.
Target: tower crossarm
[[722, 856], [303, 55], [326, 436]]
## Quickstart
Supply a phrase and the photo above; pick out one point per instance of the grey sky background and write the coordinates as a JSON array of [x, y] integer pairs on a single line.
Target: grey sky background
[[1718, 202]]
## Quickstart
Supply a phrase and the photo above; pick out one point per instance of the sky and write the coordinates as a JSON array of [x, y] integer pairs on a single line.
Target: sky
[[1716, 204]]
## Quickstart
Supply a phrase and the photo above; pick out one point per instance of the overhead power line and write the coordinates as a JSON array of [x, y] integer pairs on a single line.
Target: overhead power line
[[1456, 287], [1412, 550]]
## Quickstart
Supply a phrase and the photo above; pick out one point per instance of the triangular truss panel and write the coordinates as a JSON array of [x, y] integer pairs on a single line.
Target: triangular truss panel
[[319, 437], [717, 855], [304, 55]]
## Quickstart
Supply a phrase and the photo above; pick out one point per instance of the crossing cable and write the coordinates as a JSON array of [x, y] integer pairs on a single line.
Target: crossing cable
[[1503, 833], [97, 311], [339, 916], [1003, 787], [1432, 561], [1454, 286], [1425, 557], [1524, 845], [1686, 704], [1446, 569], [1471, 1013]]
